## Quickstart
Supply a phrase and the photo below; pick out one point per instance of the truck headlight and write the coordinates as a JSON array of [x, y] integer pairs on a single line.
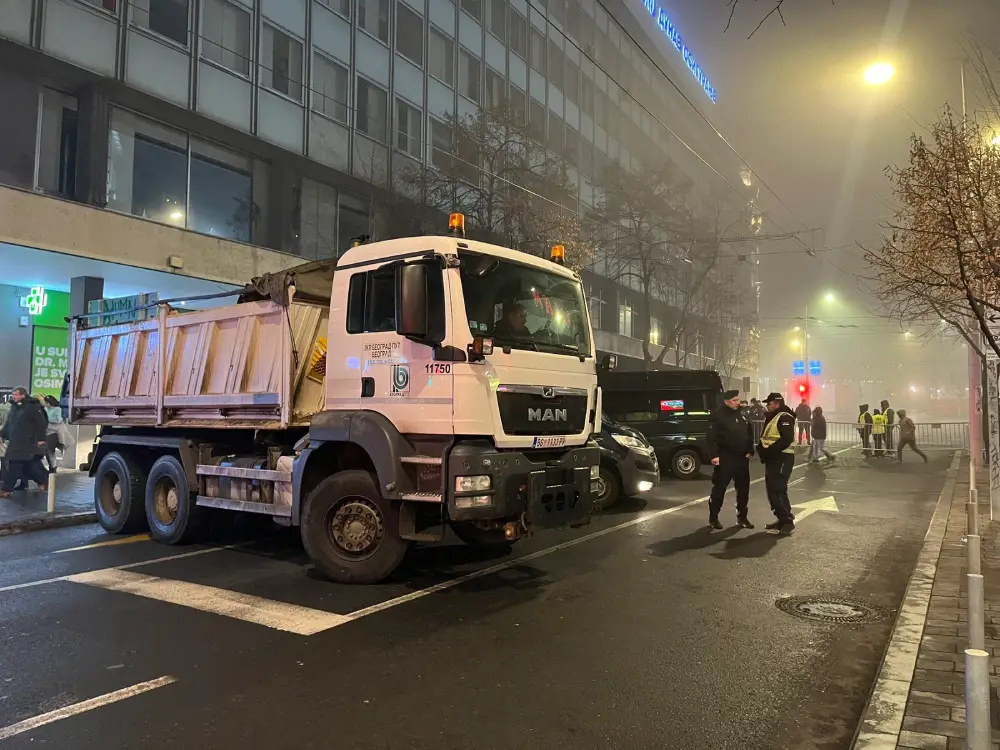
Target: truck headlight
[[479, 483], [595, 472], [627, 441]]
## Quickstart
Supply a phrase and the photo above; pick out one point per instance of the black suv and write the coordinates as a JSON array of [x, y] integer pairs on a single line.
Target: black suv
[[628, 464]]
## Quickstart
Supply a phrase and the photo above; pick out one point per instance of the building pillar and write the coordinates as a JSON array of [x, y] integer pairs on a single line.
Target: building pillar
[[93, 123], [84, 289]]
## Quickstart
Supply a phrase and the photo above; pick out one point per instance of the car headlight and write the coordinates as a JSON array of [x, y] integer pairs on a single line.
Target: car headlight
[[627, 441], [480, 483]]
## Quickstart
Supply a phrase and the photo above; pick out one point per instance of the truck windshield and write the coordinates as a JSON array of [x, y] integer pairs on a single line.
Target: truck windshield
[[523, 307]]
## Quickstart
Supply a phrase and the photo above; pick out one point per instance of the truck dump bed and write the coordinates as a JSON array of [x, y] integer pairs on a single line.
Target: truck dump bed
[[257, 364]]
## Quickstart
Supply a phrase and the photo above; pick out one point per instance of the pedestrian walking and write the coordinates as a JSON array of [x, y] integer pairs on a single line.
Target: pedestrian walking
[[730, 445], [907, 436], [890, 426], [878, 432], [819, 437], [865, 430], [24, 433], [53, 413], [803, 416], [778, 456]]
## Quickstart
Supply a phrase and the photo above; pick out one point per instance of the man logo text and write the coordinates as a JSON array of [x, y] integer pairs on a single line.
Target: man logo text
[[546, 415]]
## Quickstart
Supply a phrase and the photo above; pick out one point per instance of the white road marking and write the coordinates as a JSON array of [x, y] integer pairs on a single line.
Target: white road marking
[[107, 543], [83, 706], [828, 504], [268, 612]]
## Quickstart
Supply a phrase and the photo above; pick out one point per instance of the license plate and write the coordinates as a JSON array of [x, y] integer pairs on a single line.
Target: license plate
[[549, 442]]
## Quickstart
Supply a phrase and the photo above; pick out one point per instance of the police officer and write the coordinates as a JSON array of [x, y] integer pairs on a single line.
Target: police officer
[[778, 456], [730, 444]]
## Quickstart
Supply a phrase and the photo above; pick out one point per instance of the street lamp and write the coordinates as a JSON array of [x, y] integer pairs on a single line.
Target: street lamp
[[879, 73], [829, 297]]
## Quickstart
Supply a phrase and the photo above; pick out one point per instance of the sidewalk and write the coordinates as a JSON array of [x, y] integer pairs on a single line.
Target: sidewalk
[[919, 699], [26, 511]]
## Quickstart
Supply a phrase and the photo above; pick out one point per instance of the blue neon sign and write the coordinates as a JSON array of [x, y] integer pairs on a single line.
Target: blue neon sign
[[667, 27]]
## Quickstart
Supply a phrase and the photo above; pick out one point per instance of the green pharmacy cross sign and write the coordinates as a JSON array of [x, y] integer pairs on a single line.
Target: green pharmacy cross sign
[[36, 301]]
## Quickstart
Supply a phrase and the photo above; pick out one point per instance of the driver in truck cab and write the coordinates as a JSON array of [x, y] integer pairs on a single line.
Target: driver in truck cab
[[513, 323]]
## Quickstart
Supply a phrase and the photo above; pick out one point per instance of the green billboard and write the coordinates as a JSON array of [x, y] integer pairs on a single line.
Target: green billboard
[[49, 360]]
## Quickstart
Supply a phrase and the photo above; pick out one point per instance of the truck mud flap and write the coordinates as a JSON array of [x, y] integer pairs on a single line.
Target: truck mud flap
[[554, 506]]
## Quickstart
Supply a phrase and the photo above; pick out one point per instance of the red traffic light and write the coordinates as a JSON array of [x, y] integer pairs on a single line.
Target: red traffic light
[[802, 388]]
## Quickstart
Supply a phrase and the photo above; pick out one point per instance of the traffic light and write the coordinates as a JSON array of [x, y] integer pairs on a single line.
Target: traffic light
[[803, 389]]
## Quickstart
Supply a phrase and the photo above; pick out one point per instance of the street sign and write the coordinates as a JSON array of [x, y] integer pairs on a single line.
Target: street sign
[[798, 367], [815, 368]]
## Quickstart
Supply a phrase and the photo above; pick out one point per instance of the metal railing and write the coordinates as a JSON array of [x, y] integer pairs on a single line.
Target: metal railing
[[929, 435]]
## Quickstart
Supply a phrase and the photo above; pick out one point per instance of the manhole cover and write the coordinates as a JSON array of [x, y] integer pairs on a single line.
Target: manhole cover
[[830, 609]]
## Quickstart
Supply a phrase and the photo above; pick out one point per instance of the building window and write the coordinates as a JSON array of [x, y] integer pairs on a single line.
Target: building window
[[655, 331], [441, 57], [537, 50], [372, 110], [470, 75], [408, 135], [518, 34], [409, 34], [518, 105], [353, 219], [497, 24], [281, 62], [442, 143], [572, 152], [474, 8], [495, 88], [343, 7], [111, 5], [555, 65], [168, 18], [571, 81], [594, 305], [57, 147], [318, 221], [625, 322], [329, 88], [373, 17], [536, 119], [555, 134], [221, 193], [225, 35], [587, 95]]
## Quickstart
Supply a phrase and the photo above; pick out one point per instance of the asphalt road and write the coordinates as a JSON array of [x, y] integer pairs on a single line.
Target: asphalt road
[[644, 630]]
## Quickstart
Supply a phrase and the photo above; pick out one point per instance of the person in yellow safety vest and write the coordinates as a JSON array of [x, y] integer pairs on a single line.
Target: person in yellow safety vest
[[778, 456], [878, 431], [865, 430]]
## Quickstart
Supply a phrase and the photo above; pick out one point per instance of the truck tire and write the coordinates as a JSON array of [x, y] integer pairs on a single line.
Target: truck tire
[[609, 489], [476, 536], [349, 531], [119, 484], [170, 507], [685, 464]]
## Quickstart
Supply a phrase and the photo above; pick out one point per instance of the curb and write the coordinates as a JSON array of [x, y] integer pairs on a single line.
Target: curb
[[882, 720], [38, 523]]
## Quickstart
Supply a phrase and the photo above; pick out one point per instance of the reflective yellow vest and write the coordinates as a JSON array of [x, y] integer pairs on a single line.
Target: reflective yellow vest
[[861, 420], [771, 435], [878, 424]]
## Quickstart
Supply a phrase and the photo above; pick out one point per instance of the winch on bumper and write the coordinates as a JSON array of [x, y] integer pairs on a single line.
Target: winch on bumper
[[544, 489]]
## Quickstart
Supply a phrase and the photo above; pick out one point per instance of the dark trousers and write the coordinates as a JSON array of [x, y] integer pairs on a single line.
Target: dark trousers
[[776, 474], [804, 428], [735, 469], [912, 442], [888, 437], [866, 445], [878, 443], [23, 471]]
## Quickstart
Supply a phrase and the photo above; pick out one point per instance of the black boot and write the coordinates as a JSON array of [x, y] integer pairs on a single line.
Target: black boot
[[713, 522], [773, 526], [743, 522], [786, 528]]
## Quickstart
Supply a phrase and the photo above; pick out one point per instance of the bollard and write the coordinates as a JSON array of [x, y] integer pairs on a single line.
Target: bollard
[[975, 564], [971, 518], [52, 494], [975, 597], [977, 699]]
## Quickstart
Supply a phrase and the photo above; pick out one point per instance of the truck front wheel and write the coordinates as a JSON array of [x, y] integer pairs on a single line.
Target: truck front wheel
[[118, 488], [350, 532], [170, 507]]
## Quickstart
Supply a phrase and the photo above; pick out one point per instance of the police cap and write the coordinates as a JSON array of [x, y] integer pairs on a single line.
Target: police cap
[[773, 396]]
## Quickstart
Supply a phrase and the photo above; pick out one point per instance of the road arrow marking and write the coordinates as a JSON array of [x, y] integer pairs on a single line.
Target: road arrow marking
[[808, 508]]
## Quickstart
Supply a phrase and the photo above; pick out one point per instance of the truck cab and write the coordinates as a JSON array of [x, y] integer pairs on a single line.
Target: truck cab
[[410, 386]]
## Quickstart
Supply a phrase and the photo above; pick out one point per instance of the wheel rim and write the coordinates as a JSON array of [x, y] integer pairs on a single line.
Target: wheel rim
[[112, 494], [166, 500], [685, 464], [356, 528], [603, 488]]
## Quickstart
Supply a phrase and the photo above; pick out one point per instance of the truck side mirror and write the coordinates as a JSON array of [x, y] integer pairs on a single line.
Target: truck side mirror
[[411, 300]]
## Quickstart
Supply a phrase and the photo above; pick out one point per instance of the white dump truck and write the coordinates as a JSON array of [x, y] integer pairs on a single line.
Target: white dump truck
[[373, 401]]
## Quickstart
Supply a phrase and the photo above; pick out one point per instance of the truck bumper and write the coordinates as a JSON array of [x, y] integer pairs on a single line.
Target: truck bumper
[[546, 491], [640, 472]]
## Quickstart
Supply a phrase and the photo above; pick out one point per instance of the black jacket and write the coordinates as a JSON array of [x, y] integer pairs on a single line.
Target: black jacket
[[819, 427], [803, 413], [25, 429], [786, 433], [729, 433]]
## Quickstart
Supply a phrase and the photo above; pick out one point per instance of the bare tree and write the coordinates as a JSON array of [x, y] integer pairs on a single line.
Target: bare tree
[[940, 258], [773, 8]]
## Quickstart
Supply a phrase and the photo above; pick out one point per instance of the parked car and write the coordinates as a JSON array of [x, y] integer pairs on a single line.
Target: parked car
[[628, 464], [670, 408]]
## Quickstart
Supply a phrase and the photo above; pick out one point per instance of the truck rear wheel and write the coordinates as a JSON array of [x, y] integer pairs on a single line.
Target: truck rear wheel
[[170, 507], [118, 490], [350, 532]]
